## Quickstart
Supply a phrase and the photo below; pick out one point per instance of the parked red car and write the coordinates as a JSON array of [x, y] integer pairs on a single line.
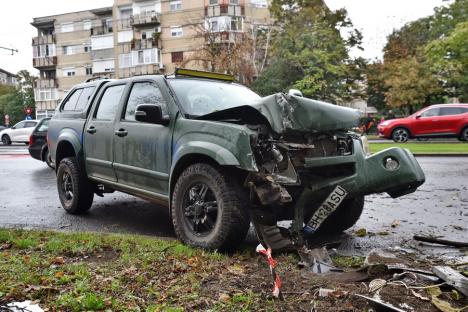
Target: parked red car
[[442, 121]]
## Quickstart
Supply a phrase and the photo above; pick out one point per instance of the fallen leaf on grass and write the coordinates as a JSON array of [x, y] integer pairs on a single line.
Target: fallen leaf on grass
[[27, 259], [59, 274], [5, 246], [57, 261], [224, 297], [443, 306], [383, 233], [361, 232]]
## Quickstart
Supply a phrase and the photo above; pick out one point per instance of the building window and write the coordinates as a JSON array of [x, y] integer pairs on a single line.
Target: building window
[[177, 57], [87, 48], [147, 56], [236, 24], [176, 31], [125, 60], [234, 1], [108, 25], [147, 33], [175, 5], [214, 26], [46, 94], [147, 9], [67, 27], [259, 3], [89, 71], [69, 50], [87, 24], [69, 72], [213, 2]]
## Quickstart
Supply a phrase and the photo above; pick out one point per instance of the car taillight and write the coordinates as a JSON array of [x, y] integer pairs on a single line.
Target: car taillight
[[31, 139]]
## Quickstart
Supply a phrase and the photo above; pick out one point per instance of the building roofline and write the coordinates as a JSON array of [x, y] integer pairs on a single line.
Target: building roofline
[[41, 20], [8, 73]]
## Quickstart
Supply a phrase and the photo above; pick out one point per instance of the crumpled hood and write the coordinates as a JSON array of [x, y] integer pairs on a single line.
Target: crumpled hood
[[291, 113]]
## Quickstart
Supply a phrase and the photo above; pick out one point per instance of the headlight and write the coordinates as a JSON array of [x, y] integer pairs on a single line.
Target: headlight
[[365, 145], [384, 123]]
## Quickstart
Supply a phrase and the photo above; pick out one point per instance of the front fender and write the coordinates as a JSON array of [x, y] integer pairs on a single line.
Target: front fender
[[218, 153]]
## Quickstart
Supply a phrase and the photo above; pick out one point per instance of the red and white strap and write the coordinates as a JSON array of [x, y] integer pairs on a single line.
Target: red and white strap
[[272, 263]]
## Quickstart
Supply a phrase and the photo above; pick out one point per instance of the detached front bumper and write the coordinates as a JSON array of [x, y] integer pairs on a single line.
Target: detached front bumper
[[394, 171]]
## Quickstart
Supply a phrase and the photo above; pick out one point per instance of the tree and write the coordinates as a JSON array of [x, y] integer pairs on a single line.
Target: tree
[[447, 58], [308, 50]]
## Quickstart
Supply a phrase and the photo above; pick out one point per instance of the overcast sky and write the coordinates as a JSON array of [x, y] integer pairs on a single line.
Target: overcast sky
[[375, 18]]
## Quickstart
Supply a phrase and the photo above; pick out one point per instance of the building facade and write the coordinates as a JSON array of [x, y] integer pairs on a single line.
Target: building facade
[[7, 78], [133, 37]]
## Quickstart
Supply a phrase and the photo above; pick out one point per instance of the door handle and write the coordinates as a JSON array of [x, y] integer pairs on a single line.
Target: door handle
[[121, 133], [91, 130]]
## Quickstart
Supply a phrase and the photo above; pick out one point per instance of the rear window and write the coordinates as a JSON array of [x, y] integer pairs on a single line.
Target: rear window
[[43, 126], [445, 111]]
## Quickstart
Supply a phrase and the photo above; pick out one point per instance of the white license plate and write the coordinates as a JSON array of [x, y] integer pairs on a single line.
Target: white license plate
[[330, 204]]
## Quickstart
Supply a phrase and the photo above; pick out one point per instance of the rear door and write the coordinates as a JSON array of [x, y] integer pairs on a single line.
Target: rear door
[[142, 151], [449, 119], [99, 133]]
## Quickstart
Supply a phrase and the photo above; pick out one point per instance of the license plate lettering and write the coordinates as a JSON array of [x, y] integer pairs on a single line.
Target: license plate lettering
[[330, 204]]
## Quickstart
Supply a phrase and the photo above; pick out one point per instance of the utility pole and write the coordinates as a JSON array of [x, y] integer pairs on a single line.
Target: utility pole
[[9, 49]]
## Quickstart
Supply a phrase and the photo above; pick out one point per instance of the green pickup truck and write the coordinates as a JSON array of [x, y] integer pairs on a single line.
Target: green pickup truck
[[219, 156]]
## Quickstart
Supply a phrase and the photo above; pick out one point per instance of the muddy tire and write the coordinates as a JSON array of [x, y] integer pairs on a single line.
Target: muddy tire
[[400, 135], [209, 208], [344, 217], [6, 140], [75, 191]]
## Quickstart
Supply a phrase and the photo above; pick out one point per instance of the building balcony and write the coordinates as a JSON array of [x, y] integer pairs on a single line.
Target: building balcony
[[46, 39], [46, 83], [227, 36], [141, 44], [101, 30], [124, 24], [42, 62], [224, 9], [145, 19], [145, 69]]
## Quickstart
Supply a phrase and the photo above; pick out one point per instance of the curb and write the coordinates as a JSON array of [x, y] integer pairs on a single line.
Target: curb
[[441, 155]]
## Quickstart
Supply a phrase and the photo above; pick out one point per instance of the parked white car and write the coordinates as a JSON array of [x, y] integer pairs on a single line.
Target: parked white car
[[19, 132]]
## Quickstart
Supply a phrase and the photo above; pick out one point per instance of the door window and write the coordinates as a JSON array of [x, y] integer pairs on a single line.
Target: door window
[[19, 125], [430, 112], [30, 124], [70, 103], [445, 111], [144, 93], [84, 98], [109, 102]]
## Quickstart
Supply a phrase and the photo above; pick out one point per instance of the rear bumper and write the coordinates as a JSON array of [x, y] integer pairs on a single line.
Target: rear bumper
[[368, 174], [35, 152]]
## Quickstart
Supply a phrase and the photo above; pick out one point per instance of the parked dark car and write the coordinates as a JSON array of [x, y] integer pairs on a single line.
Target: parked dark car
[[38, 148]]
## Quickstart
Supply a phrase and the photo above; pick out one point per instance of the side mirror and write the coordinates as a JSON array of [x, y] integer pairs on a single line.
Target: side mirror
[[14, 127], [418, 116], [295, 92], [151, 113]]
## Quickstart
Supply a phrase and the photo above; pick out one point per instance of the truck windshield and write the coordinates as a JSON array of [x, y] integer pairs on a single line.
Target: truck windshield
[[201, 97]]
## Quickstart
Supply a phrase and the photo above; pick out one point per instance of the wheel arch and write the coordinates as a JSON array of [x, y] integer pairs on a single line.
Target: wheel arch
[[404, 127], [44, 149]]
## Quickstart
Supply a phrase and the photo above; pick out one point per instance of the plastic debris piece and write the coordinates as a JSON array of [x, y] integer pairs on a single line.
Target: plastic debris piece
[[379, 304], [453, 278], [24, 306], [376, 284]]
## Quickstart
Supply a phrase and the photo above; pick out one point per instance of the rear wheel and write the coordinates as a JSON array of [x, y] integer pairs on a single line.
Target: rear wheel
[[75, 191], [48, 159], [6, 140], [400, 135], [347, 214], [464, 135], [209, 208]]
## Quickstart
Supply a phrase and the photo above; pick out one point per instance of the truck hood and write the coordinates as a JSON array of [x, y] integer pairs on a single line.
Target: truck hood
[[286, 113]]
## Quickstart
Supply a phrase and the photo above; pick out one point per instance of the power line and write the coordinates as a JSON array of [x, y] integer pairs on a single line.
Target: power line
[[10, 49]]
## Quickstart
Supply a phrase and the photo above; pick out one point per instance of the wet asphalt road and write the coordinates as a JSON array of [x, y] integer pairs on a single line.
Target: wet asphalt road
[[28, 199]]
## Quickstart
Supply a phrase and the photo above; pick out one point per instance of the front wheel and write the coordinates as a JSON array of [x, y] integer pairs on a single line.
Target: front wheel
[[344, 217], [6, 140], [75, 191], [209, 208], [400, 135]]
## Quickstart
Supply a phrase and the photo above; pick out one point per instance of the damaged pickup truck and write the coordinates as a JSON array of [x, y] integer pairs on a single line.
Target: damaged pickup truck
[[220, 157]]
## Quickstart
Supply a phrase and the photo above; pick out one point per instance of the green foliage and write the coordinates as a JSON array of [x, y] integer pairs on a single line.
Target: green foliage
[[13, 101], [309, 53]]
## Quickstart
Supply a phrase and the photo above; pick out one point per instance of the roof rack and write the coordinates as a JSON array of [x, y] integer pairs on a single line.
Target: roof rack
[[203, 74], [96, 78]]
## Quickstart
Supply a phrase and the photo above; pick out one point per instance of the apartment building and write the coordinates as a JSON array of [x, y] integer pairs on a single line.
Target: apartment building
[[7, 78], [133, 37]]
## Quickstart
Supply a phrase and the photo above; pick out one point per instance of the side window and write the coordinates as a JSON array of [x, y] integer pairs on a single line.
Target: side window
[[430, 112], [144, 93], [30, 124], [109, 102], [70, 104], [445, 111], [20, 125], [84, 98]]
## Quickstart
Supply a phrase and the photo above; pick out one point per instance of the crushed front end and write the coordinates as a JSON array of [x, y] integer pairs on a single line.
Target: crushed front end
[[309, 165]]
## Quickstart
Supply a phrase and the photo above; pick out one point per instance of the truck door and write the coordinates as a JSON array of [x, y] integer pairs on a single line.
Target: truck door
[[99, 133], [142, 151]]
